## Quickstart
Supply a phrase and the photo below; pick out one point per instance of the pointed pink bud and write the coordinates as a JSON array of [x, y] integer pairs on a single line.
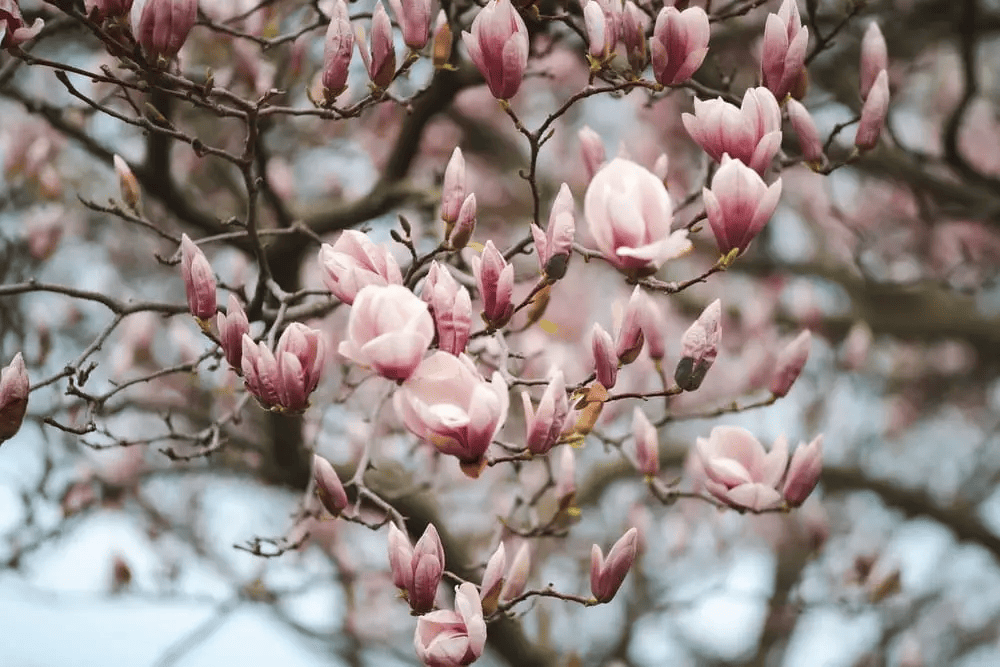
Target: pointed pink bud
[[782, 63], [498, 45], [495, 278], [354, 262], [233, 325], [517, 575], [128, 184], [427, 566], [389, 330], [635, 23], [653, 327], [679, 44], [803, 472], [591, 150], [380, 60], [750, 133], [545, 426], [13, 30], [400, 558], [338, 47], [14, 388], [453, 188], [465, 225], [809, 141], [647, 447], [873, 113], [874, 57], [555, 245], [739, 205], [300, 355], [699, 347], [606, 576], [448, 638], [605, 359], [199, 281], [600, 41], [630, 338], [328, 487], [451, 308], [260, 372], [790, 364], [414, 19], [161, 26], [493, 578]]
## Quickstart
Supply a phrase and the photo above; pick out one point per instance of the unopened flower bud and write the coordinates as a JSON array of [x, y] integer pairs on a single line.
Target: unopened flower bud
[[199, 281], [647, 449], [592, 150], [635, 23], [803, 472], [414, 19], [465, 225], [161, 26], [555, 245], [874, 57], [699, 348], [790, 363], [14, 388], [493, 579], [545, 426], [498, 45], [607, 575], [630, 336], [328, 487], [517, 575], [601, 40], [380, 56], [128, 185], [495, 278], [873, 113], [233, 325], [782, 62], [453, 189], [679, 44], [805, 128], [605, 359], [338, 47]]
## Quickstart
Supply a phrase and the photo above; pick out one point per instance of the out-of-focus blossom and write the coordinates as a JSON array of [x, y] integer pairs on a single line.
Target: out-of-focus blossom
[[495, 278], [629, 214], [545, 426], [233, 325], [591, 150], [128, 184], [647, 447], [354, 262], [338, 47], [630, 338], [566, 478], [873, 113], [414, 19], [43, 229], [782, 63], [699, 347], [874, 57], [453, 189], [809, 141], [517, 575], [739, 205], [449, 405], [380, 60], [803, 472], [635, 23], [416, 570], [607, 575], [790, 363], [285, 378], [750, 133], [555, 245], [679, 44], [502, 585], [103, 9], [14, 388], [389, 330], [498, 45], [161, 26], [328, 486], [13, 30], [448, 638], [661, 167], [199, 281], [451, 308], [653, 327], [441, 48], [854, 352], [605, 358], [739, 472]]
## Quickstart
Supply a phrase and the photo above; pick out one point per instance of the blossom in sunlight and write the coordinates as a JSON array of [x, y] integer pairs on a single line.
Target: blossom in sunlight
[[448, 638], [498, 45], [608, 574], [354, 262]]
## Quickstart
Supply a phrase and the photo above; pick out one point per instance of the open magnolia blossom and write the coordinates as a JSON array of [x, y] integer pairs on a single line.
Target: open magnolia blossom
[[750, 133], [354, 262], [448, 638]]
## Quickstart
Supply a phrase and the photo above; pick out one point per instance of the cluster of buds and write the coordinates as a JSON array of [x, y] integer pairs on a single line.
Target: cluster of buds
[[447, 638], [199, 281], [13, 397], [699, 348], [498, 45], [450, 306], [13, 30], [416, 571], [739, 473], [501, 585], [285, 379], [161, 26], [495, 278], [782, 63], [874, 88], [608, 574]]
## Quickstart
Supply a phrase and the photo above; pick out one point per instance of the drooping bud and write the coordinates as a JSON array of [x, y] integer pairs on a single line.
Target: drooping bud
[[380, 61], [790, 364], [635, 23], [699, 347], [803, 472], [199, 281], [233, 325], [451, 307], [874, 57], [128, 185], [873, 113], [441, 48], [498, 45], [805, 128], [630, 338], [14, 388], [545, 426], [465, 225], [161, 26], [338, 47], [555, 245], [328, 487], [647, 448], [679, 44], [592, 150], [782, 63], [606, 576], [605, 358], [414, 19], [453, 189], [495, 278]]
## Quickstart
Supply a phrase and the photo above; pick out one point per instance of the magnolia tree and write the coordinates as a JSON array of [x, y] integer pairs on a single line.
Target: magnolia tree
[[499, 314]]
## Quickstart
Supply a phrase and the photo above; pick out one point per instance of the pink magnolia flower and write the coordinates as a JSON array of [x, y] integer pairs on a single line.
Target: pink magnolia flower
[[601, 41], [453, 189], [13, 30], [338, 47], [647, 448], [414, 19], [555, 245], [699, 347], [782, 63], [738, 205], [460, 233], [161, 26], [451, 307], [199, 281], [233, 325], [495, 278], [417, 570], [653, 327], [389, 330], [607, 575], [629, 337], [809, 141], [545, 426], [328, 486], [380, 61], [739, 472], [803, 472], [284, 379], [448, 638], [629, 214], [790, 363], [354, 262], [873, 113], [874, 57], [605, 357], [14, 388], [449, 405], [751, 133], [635, 23], [679, 44], [500, 584], [498, 45]]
